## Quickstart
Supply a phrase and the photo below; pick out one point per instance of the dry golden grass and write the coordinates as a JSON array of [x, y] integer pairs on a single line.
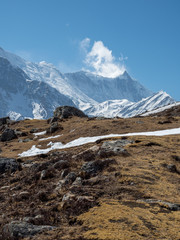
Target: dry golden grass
[[121, 190], [114, 220]]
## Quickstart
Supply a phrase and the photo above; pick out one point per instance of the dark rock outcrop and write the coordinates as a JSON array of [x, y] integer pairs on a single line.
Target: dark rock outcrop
[[7, 135], [110, 148], [93, 167], [8, 165], [67, 111], [17, 230], [54, 127], [4, 120]]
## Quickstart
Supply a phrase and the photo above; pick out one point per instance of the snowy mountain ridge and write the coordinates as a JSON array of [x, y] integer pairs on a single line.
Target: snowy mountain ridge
[[125, 108], [41, 87]]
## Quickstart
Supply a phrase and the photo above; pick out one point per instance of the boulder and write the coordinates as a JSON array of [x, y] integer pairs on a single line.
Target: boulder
[[17, 230], [67, 111], [7, 135], [61, 164], [4, 120], [93, 167], [74, 204], [54, 127], [110, 148], [8, 165]]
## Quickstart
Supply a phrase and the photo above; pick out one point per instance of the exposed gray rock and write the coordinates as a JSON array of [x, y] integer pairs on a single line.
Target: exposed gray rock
[[61, 164], [54, 127], [77, 204], [16, 230], [34, 130], [8, 134], [109, 148], [4, 120], [53, 119], [70, 178], [20, 134], [171, 167], [93, 167], [176, 158], [168, 205], [87, 155], [67, 111], [8, 165]]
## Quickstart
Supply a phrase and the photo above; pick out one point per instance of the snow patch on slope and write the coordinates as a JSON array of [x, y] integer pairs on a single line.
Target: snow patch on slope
[[84, 140]]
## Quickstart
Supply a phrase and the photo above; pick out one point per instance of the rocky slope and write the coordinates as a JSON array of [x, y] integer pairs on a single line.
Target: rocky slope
[[116, 188]]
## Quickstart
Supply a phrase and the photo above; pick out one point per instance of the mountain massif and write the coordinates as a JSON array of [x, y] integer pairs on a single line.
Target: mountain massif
[[34, 90]]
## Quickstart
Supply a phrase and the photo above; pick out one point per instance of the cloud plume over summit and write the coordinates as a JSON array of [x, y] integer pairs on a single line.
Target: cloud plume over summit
[[100, 59]]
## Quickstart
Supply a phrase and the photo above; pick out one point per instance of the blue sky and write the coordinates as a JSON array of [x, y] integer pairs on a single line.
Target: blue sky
[[141, 36]]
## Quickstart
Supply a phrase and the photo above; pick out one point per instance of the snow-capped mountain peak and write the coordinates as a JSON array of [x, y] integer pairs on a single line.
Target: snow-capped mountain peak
[[12, 58], [41, 87]]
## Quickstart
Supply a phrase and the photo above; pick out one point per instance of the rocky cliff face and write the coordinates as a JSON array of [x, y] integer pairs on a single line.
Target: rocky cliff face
[[102, 89]]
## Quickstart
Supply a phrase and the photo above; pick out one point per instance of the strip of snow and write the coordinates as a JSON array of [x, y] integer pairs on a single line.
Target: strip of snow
[[39, 133], [43, 139], [84, 140]]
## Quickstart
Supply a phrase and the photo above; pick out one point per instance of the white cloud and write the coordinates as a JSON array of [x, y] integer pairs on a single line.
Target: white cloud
[[101, 60], [84, 44]]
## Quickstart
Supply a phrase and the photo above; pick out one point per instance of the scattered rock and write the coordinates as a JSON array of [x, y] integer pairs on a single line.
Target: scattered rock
[[61, 164], [164, 122], [34, 130], [54, 127], [16, 230], [48, 173], [168, 205], [93, 167], [9, 165], [20, 134], [70, 178], [77, 204], [53, 119], [149, 144], [43, 196], [68, 111], [176, 158], [64, 173], [110, 148], [87, 155], [77, 182], [4, 120], [8, 134], [172, 168]]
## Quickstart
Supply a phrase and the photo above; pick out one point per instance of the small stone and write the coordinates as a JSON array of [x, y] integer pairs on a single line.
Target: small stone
[[24, 195]]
